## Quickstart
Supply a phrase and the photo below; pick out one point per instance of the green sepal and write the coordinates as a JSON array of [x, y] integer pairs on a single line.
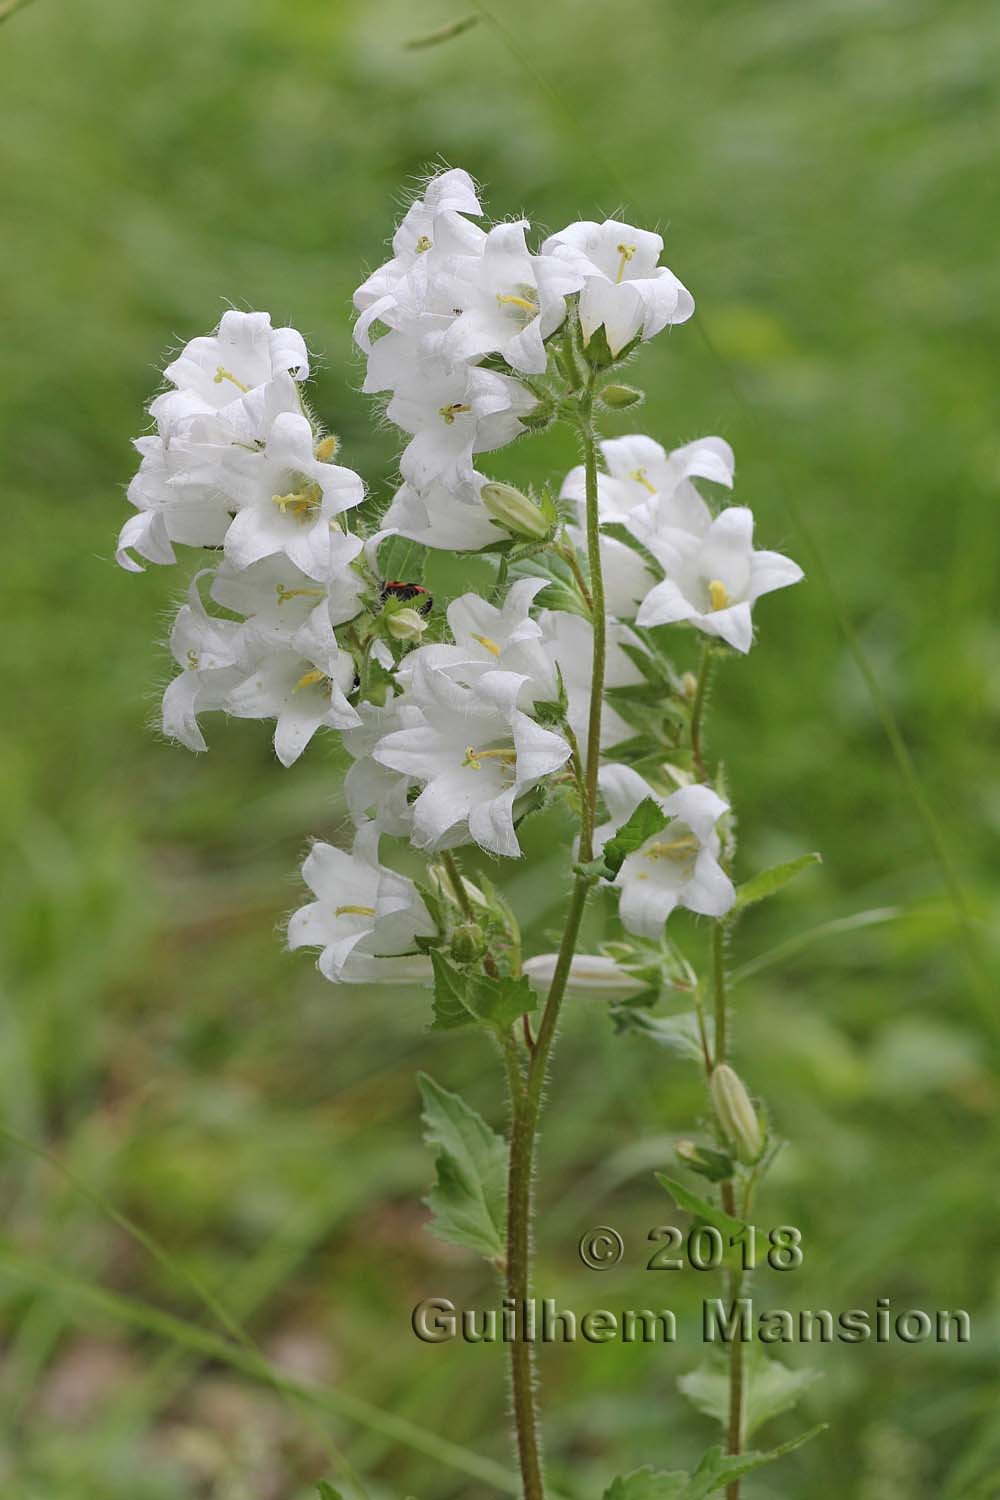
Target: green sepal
[[645, 820], [700, 1207], [679, 1033], [768, 882]]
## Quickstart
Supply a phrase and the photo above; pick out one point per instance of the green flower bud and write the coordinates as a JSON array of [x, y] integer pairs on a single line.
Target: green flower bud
[[405, 625], [615, 396], [467, 943], [514, 511], [715, 1165], [735, 1114]]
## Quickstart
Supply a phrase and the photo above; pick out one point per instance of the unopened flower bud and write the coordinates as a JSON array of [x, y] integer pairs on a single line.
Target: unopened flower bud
[[514, 511], [715, 1165], [735, 1114], [689, 683], [616, 396], [467, 943], [405, 625]]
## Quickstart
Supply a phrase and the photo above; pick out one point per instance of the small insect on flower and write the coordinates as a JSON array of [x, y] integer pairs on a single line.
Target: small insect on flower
[[392, 588]]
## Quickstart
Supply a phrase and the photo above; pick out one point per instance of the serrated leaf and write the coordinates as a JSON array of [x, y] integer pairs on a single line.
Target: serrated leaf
[[469, 1198], [450, 1009], [769, 881], [461, 999], [648, 818], [714, 1472], [679, 1034], [716, 1469], [648, 1484], [700, 1207], [769, 1388]]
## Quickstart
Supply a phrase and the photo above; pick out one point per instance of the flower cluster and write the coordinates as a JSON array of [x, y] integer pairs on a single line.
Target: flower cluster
[[456, 721], [465, 317]]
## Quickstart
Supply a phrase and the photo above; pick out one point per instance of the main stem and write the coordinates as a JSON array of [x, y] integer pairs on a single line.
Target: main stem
[[526, 1094], [734, 1435]]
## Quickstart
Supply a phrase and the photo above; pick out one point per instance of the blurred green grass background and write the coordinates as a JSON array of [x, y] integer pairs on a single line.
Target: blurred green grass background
[[826, 176]]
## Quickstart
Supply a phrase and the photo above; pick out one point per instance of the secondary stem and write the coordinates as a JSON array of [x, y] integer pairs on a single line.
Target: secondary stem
[[526, 1102], [698, 712]]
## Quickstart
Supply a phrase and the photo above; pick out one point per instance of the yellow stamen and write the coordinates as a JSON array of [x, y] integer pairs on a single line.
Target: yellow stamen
[[524, 303], [285, 594], [717, 593], [491, 646], [639, 475], [424, 243], [302, 504], [450, 412], [626, 252], [677, 849], [474, 757], [192, 660], [222, 374], [354, 911], [310, 679], [326, 448]]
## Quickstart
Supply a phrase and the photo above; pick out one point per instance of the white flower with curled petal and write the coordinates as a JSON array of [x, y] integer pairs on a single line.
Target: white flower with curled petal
[[454, 520], [713, 580], [366, 918], [302, 683], [176, 497], [279, 598], [475, 755], [212, 372], [210, 653], [286, 498], [433, 225], [640, 472], [452, 414], [487, 639], [373, 790], [625, 291], [178, 491], [679, 866], [505, 301]]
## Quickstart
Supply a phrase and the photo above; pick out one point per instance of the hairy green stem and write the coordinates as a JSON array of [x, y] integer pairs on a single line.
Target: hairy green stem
[[526, 1103], [734, 1431], [698, 711], [457, 884]]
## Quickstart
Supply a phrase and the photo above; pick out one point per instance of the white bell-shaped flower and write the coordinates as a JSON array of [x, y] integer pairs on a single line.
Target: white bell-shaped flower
[[625, 290], [366, 918], [714, 579], [679, 866]]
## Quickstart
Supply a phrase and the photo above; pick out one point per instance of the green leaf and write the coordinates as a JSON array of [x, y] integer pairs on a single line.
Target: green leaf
[[769, 881], [402, 561], [700, 1207], [327, 1491], [679, 1034], [769, 1388], [469, 1198], [648, 818], [648, 1484], [461, 999], [716, 1470]]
